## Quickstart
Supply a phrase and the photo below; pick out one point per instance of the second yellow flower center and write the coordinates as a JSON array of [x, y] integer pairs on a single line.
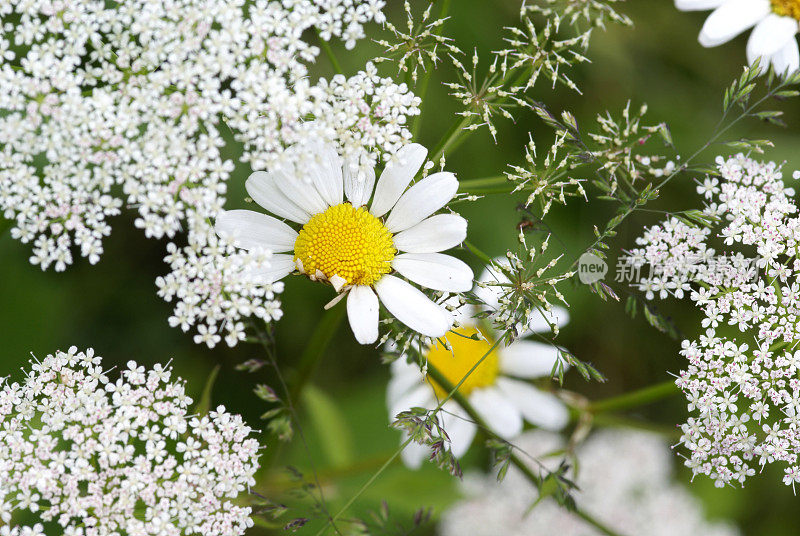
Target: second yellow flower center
[[348, 242], [787, 8], [455, 364]]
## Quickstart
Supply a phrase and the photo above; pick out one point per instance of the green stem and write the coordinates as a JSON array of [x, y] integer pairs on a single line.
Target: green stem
[[487, 185], [462, 401], [326, 47], [634, 399], [477, 252], [449, 139], [317, 344]]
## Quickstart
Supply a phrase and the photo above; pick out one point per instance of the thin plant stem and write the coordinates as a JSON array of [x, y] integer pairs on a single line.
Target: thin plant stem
[[426, 77], [326, 48], [266, 343], [641, 397]]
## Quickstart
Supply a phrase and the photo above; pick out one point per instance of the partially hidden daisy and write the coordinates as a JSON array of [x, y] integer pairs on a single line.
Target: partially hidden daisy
[[775, 24], [341, 232], [495, 389]]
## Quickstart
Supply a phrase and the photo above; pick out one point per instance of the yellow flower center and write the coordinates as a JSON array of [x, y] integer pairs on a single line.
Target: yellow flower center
[[465, 353], [787, 8], [348, 242]]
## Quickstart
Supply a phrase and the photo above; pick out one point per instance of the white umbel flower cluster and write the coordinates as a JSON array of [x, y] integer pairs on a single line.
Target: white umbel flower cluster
[[112, 105], [89, 456], [624, 481], [741, 379]]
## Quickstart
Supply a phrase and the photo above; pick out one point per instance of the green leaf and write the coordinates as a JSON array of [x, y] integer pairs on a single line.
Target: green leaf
[[336, 439], [205, 399]]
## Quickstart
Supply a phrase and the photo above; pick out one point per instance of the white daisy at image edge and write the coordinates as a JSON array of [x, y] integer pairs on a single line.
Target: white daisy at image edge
[[775, 24], [354, 248], [493, 389]]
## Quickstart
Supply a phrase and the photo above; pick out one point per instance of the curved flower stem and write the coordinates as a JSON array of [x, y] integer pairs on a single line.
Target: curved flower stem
[[534, 479], [326, 47], [453, 137], [487, 185], [641, 397], [320, 339], [477, 252]]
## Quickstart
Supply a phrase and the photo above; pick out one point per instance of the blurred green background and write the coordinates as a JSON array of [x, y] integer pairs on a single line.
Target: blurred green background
[[113, 306]]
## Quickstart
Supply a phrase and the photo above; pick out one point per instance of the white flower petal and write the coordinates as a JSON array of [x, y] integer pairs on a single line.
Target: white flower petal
[[698, 5], [542, 409], [358, 184], [770, 36], [262, 188], [528, 359], [414, 454], [405, 376], [421, 200], [502, 416], [396, 177], [326, 173], [437, 233], [732, 18], [302, 191], [435, 270], [279, 267], [362, 312], [557, 315], [419, 397], [413, 308], [249, 230], [787, 59], [459, 428]]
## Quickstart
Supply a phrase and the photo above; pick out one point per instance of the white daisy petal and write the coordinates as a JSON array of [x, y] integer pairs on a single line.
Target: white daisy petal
[[362, 312], [502, 416], [698, 5], [280, 266], [413, 308], [787, 59], [396, 177], [770, 36], [250, 230], [732, 18], [326, 174], [459, 428], [421, 200], [302, 191], [419, 397], [262, 188], [437, 233], [414, 454], [528, 359], [405, 376], [358, 185], [435, 270], [542, 409]]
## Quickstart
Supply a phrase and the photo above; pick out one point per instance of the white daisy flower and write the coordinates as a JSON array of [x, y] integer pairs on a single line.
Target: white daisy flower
[[775, 24], [493, 389], [356, 245]]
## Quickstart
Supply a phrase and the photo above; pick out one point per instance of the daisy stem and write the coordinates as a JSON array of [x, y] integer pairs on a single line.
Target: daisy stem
[[462, 401], [326, 47], [635, 399], [320, 339]]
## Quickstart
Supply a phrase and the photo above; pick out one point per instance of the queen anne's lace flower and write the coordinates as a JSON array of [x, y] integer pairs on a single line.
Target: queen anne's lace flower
[[106, 105], [741, 380], [91, 456], [623, 479]]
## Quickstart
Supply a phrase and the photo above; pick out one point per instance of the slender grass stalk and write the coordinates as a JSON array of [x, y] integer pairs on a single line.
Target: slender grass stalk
[[641, 397]]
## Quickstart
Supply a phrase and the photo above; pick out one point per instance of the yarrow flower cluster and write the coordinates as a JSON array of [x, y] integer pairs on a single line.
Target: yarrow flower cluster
[[624, 481], [93, 456], [741, 379], [112, 105]]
